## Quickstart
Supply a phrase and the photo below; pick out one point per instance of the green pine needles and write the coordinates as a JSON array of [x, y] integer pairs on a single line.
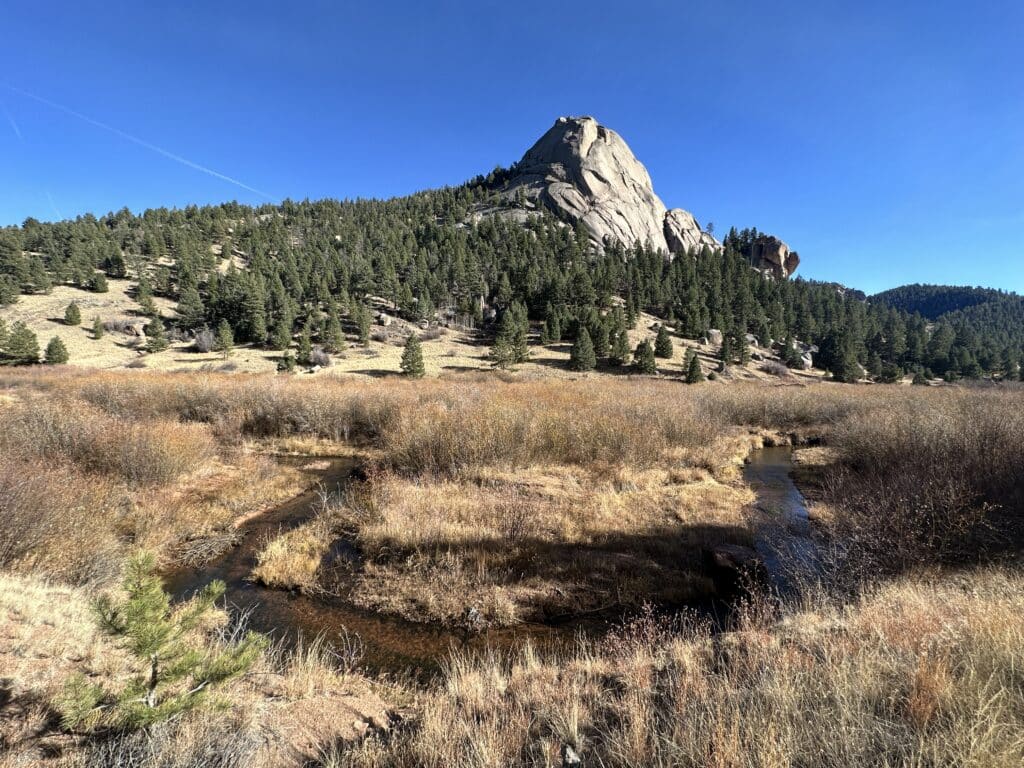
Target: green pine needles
[[178, 669], [412, 358]]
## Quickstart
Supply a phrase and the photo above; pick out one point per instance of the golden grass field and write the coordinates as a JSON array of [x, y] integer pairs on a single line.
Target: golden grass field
[[527, 498]]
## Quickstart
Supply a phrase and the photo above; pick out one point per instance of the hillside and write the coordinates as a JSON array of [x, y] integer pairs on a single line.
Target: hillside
[[513, 265], [934, 301]]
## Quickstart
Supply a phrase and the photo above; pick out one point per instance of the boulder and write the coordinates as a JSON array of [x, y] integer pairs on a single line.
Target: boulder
[[752, 340], [772, 256], [715, 336], [807, 361]]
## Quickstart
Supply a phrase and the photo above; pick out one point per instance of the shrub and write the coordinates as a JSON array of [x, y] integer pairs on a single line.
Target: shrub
[[775, 368], [319, 357], [205, 340]]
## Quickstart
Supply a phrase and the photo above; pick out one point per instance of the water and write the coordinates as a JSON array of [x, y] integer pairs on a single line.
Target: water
[[393, 644], [390, 644], [782, 536]]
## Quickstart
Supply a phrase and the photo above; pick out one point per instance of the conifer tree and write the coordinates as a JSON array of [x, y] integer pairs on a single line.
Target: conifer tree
[[742, 347], [725, 354], [412, 358], [643, 358], [305, 351], [191, 312], [618, 355], [22, 345], [363, 321], [97, 328], [663, 343], [178, 670], [582, 357], [98, 283], [601, 339], [156, 340], [334, 335], [4, 335], [72, 315], [694, 372], [281, 338], [56, 353], [225, 339]]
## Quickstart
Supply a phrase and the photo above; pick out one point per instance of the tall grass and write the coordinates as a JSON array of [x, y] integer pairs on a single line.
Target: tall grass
[[915, 673]]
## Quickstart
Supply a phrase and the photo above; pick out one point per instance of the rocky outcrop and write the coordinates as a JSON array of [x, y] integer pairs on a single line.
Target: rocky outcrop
[[771, 255], [584, 172]]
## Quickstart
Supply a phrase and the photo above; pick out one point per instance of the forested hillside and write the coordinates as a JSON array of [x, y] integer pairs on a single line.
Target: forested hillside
[[301, 274]]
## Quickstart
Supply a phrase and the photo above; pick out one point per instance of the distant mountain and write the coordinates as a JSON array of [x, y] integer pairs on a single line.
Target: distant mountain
[[934, 301]]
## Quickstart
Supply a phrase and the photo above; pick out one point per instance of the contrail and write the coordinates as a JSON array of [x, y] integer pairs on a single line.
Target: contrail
[[54, 206], [136, 140], [14, 125]]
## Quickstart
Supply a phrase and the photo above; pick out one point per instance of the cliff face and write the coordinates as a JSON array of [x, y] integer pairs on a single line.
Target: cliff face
[[582, 171]]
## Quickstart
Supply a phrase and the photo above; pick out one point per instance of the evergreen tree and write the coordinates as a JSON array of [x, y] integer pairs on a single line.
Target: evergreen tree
[[56, 353], [363, 321], [743, 347], [582, 356], [725, 354], [72, 315], [97, 328], [510, 343], [412, 358], [22, 345], [643, 358], [601, 339], [98, 283], [694, 372], [156, 339], [334, 336], [281, 338], [618, 355], [5, 335], [286, 363], [178, 670], [305, 351], [663, 343], [225, 339], [191, 312]]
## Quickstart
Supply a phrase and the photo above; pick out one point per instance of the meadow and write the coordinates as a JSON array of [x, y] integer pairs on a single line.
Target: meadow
[[526, 501]]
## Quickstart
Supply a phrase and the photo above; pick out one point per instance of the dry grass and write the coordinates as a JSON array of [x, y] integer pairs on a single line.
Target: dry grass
[[280, 713], [916, 673]]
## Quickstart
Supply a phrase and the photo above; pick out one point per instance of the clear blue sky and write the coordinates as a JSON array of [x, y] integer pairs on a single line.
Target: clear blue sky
[[883, 140]]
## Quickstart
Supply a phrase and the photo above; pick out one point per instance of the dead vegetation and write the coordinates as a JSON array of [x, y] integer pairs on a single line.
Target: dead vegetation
[[528, 500]]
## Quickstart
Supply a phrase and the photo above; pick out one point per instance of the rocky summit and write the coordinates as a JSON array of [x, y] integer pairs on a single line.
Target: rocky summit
[[585, 172]]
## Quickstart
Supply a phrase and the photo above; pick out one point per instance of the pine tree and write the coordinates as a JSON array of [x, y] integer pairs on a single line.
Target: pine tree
[[363, 321], [179, 670], [225, 339], [618, 355], [601, 339], [694, 372], [643, 358], [97, 328], [156, 340], [582, 356], [72, 315], [510, 343], [98, 283], [412, 358], [743, 347], [663, 343], [4, 335], [305, 351], [56, 353], [281, 338], [725, 353], [191, 312], [22, 345]]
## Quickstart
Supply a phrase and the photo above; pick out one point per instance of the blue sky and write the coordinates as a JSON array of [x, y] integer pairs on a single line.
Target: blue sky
[[883, 141]]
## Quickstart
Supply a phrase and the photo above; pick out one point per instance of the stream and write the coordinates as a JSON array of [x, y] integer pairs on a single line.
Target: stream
[[391, 644], [782, 537]]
